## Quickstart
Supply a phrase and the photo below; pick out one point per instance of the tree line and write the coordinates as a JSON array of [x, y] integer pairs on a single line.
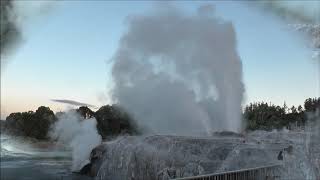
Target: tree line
[[112, 120], [264, 116]]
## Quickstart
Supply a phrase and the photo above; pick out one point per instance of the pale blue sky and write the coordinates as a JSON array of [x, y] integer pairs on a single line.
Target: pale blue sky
[[65, 55]]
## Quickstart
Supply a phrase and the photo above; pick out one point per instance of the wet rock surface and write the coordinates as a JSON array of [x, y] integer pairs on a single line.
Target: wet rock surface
[[166, 157]]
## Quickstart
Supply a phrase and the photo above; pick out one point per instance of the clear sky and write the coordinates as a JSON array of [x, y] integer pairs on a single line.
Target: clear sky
[[66, 55]]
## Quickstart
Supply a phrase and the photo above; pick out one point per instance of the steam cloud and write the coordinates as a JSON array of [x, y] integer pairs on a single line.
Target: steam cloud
[[14, 14], [304, 14], [10, 33], [179, 74], [313, 31], [71, 102], [81, 134], [302, 11]]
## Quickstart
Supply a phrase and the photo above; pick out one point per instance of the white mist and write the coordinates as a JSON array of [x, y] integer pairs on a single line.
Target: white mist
[[79, 134], [178, 73]]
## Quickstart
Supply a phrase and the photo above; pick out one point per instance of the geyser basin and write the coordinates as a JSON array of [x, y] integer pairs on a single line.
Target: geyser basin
[[165, 157], [152, 157]]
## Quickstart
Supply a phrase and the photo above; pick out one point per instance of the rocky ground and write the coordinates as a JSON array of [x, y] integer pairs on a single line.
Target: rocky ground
[[165, 157]]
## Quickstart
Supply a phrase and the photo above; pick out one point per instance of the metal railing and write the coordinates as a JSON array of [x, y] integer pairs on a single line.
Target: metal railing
[[270, 172]]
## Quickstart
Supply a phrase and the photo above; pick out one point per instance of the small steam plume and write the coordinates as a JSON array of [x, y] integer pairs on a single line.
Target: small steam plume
[[74, 103], [179, 74], [78, 133]]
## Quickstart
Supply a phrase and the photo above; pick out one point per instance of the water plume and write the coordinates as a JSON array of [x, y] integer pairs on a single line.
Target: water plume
[[179, 74], [78, 133]]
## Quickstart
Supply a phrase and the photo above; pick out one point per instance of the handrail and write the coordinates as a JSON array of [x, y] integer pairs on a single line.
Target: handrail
[[228, 172]]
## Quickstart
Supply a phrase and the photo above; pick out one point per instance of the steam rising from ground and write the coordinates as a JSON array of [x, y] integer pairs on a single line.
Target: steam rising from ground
[[78, 133], [179, 74]]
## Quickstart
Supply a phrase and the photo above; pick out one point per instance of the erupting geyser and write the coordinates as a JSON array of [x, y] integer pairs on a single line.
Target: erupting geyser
[[179, 74]]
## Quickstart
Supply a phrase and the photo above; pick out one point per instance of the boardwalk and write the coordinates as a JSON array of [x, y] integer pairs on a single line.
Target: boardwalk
[[259, 173]]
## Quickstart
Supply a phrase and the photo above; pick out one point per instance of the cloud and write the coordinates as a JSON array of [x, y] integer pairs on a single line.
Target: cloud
[[299, 11], [303, 16], [15, 15], [74, 103], [10, 32]]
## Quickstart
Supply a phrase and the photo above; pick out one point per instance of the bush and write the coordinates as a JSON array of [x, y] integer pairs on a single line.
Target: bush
[[31, 124], [113, 120], [266, 116]]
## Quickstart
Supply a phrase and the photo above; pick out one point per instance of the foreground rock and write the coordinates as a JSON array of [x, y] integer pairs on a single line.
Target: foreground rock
[[165, 157]]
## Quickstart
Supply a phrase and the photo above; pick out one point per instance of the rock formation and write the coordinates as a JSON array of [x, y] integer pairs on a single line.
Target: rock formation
[[166, 157]]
